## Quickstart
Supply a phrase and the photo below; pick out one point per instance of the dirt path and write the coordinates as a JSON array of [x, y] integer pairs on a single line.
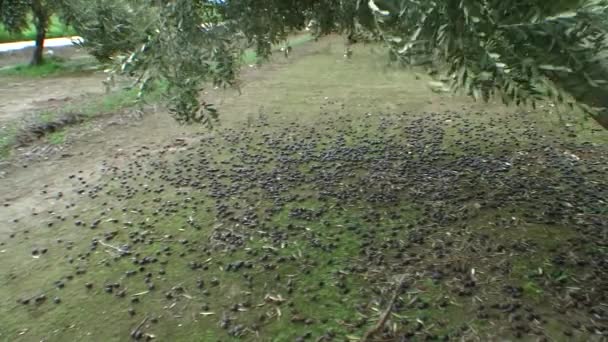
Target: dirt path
[[21, 96]]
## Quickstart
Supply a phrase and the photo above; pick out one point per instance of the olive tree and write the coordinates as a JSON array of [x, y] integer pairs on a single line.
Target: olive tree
[[521, 51], [14, 15]]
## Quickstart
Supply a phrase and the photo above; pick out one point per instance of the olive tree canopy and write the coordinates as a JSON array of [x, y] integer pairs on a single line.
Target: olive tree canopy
[[521, 51]]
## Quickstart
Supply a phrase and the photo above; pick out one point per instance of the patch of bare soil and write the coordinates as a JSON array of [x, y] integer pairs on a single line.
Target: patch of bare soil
[[21, 96]]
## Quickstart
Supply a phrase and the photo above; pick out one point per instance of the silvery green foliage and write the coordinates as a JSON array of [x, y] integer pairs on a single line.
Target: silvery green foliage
[[109, 27], [519, 51]]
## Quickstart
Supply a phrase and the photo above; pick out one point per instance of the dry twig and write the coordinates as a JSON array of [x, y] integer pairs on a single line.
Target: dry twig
[[384, 316]]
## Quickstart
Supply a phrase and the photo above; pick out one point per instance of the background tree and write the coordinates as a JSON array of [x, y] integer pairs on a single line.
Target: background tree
[[15, 14], [521, 51], [109, 26]]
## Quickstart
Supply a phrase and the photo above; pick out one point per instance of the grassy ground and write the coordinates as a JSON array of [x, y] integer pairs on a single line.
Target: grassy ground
[[250, 57], [296, 219], [52, 66], [56, 30]]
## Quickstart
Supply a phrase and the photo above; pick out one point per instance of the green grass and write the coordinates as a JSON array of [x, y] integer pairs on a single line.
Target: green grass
[[310, 267], [47, 116], [180, 317], [52, 66], [26, 70], [57, 138], [318, 100], [56, 29], [250, 56], [120, 100], [8, 136]]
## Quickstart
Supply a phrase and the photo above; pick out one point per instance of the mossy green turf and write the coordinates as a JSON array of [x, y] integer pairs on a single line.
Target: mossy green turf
[[362, 88]]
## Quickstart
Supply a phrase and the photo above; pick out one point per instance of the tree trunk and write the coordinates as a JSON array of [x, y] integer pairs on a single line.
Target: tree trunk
[[37, 59], [41, 19]]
